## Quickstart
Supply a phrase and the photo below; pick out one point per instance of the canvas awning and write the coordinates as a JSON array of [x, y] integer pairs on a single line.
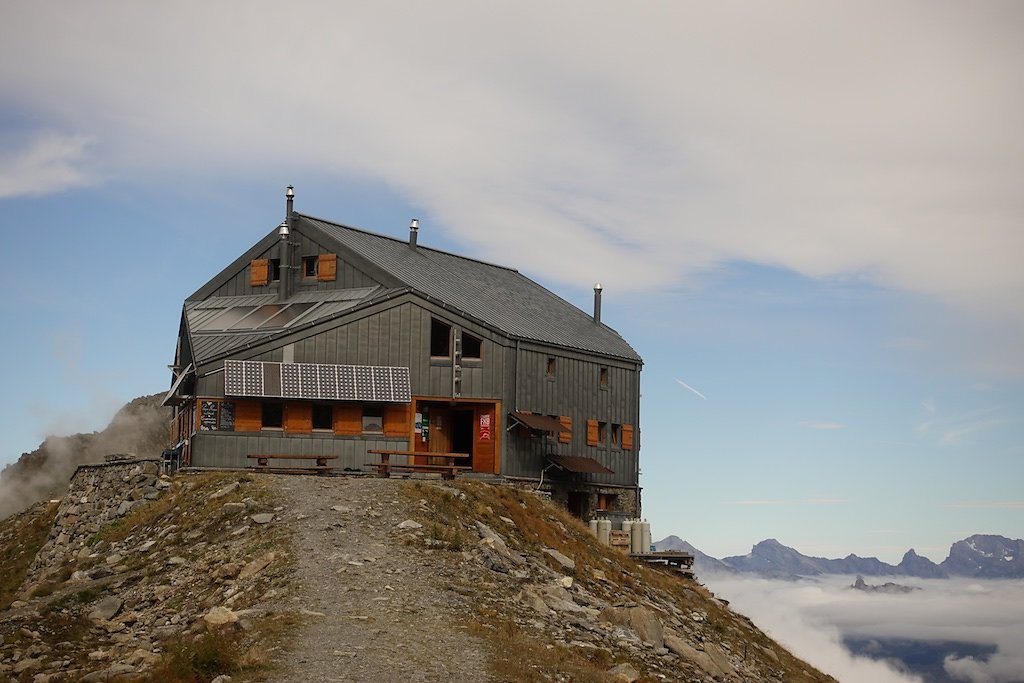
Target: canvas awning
[[580, 464], [540, 423]]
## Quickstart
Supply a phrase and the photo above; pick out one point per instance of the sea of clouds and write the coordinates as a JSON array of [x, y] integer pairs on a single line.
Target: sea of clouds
[[811, 617]]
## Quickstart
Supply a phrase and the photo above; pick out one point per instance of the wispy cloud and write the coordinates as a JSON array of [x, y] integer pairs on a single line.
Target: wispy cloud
[[822, 425], [989, 504], [687, 386], [48, 162]]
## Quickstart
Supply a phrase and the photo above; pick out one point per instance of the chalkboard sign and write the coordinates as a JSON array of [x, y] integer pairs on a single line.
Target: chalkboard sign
[[208, 416], [227, 416]]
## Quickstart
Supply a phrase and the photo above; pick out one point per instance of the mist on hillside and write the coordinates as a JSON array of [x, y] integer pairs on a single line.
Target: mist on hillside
[[139, 428], [951, 630]]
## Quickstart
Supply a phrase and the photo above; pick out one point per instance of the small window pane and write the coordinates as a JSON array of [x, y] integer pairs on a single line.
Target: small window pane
[[309, 265], [471, 346], [373, 419], [273, 415], [440, 339], [323, 416]]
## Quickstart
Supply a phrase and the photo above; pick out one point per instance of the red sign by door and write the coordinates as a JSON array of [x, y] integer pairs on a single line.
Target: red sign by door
[[485, 426]]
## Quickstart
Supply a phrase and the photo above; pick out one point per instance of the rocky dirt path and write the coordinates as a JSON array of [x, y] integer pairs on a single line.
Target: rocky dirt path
[[375, 608]]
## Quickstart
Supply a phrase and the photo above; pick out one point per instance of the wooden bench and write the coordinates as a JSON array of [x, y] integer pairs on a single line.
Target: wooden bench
[[263, 461], [448, 469]]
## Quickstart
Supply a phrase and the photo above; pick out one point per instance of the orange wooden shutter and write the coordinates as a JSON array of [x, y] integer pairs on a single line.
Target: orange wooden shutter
[[298, 417], [348, 420], [593, 433], [565, 436], [259, 272], [627, 437], [248, 416], [396, 421], [327, 268]]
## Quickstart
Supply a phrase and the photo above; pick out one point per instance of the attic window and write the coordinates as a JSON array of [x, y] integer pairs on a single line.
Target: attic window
[[309, 266], [471, 346], [440, 339], [603, 378], [275, 269], [550, 372]]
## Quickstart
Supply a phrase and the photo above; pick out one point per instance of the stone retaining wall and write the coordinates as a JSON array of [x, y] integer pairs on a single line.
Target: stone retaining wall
[[98, 494]]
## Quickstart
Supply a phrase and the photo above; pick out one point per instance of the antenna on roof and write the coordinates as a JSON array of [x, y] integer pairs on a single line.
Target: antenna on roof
[[414, 228]]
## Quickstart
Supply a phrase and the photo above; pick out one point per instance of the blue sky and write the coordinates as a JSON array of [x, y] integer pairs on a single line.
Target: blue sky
[[807, 219]]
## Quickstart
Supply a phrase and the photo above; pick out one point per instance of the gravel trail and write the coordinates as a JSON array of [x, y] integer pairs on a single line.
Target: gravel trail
[[375, 608]]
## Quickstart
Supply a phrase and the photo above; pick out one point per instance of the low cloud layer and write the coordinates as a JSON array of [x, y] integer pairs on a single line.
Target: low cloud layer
[[873, 141], [812, 617]]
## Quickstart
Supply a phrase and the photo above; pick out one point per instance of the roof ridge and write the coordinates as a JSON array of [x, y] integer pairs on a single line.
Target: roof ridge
[[401, 241]]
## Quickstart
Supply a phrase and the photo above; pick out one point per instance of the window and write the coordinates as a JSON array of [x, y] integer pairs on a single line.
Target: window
[[272, 416], [373, 420], [602, 433], [471, 346], [440, 339], [323, 416], [603, 378], [550, 373], [309, 266], [616, 435], [275, 269]]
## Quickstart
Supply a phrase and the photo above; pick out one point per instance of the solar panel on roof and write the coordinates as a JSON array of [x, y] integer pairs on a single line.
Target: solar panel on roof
[[317, 381]]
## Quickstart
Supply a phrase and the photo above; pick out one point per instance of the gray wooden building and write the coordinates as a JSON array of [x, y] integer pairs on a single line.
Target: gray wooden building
[[326, 340]]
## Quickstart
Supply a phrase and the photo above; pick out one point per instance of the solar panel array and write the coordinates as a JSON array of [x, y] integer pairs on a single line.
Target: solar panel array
[[317, 381]]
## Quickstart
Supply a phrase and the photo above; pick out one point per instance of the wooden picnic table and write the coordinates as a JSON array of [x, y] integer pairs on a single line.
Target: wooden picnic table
[[447, 468]]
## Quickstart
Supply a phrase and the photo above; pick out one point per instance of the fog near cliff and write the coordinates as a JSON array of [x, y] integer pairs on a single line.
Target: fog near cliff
[[812, 616], [140, 428]]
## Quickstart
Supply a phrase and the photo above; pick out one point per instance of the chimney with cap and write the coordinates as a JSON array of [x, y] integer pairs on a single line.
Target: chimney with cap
[[414, 228], [284, 253], [597, 303]]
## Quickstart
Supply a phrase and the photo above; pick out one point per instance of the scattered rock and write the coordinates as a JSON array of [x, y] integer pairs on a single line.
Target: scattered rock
[[409, 524], [262, 518], [624, 672], [566, 562], [106, 609], [220, 616]]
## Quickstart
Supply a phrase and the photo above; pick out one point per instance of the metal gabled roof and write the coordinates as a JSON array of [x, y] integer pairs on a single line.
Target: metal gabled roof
[[498, 296]]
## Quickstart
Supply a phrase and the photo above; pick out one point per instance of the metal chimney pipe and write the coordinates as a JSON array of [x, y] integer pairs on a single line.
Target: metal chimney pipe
[[414, 228], [597, 303], [284, 252]]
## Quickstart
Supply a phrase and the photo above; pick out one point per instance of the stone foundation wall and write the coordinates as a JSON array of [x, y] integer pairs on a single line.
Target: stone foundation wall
[[98, 495]]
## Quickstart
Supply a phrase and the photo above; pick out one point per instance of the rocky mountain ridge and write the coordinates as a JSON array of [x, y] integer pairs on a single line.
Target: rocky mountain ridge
[[143, 577], [139, 427], [978, 556]]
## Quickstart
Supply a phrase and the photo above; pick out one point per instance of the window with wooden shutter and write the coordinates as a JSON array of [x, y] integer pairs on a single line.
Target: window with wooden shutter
[[248, 416], [396, 421], [298, 417], [627, 437], [593, 433], [565, 436], [259, 272], [327, 269], [348, 420]]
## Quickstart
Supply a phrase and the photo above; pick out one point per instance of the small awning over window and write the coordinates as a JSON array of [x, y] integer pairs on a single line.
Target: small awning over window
[[173, 398], [541, 423], [576, 463]]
